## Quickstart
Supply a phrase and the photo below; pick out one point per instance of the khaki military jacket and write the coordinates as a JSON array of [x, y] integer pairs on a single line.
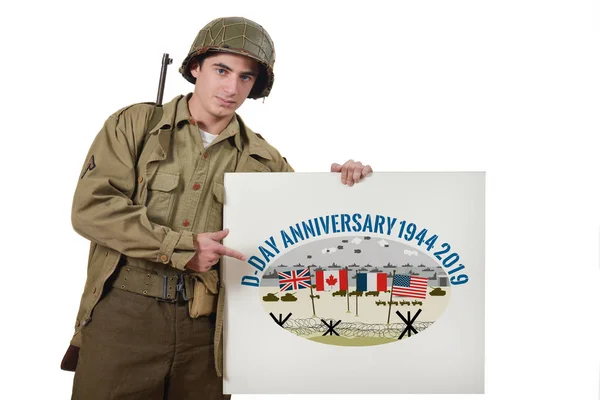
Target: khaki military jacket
[[109, 206]]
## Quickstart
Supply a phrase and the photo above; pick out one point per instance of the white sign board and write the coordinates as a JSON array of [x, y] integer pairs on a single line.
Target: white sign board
[[376, 288]]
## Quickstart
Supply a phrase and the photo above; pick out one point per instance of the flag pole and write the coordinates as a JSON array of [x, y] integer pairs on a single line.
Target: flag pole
[[348, 290], [312, 299], [391, 291]]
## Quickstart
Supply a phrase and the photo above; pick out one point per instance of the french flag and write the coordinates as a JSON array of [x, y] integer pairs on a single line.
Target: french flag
[[371, 282]]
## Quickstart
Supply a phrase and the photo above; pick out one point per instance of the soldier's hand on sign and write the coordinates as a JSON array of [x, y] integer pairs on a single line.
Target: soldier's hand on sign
[[209, 251], [352, 171]]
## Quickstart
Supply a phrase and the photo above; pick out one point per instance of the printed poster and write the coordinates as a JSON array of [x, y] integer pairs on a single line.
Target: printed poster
[[375, 288]]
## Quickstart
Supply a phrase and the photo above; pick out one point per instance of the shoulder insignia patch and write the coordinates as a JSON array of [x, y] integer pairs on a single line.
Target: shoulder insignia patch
[[91, 164]]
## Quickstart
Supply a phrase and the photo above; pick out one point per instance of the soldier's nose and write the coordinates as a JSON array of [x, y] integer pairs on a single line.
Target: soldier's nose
[[231, 86]]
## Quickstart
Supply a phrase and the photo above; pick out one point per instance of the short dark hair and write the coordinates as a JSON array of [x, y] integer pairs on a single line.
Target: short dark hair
[[199, 59]]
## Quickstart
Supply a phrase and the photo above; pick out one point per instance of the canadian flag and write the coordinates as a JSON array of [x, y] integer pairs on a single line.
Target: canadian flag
[[332, 280]]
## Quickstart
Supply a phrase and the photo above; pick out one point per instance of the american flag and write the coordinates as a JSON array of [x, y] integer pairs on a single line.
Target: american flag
[[410, 286], [294, 279]]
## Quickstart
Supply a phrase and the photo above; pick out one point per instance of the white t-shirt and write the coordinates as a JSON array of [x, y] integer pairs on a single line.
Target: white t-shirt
[[207, 138]]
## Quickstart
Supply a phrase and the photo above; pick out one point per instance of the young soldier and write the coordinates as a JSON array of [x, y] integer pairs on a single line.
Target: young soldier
[[150, 200]]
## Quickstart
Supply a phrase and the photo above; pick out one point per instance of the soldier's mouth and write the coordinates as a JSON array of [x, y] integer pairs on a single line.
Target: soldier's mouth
[[226, 103]]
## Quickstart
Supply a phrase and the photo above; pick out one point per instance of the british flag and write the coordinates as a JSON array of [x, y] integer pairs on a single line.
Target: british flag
[[294, 279]]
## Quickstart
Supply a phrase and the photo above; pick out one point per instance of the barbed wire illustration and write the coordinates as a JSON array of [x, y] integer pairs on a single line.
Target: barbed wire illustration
[[315, 325]]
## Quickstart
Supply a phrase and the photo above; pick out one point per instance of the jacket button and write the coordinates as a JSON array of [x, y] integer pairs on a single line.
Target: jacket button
[[140, 179], [77, 323], [205, 155], [193, 121], [164, 258], [94, 291], [196, 186], [186, 223]]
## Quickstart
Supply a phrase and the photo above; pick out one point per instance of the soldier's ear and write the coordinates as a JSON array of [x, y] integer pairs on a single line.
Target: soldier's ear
[[194, 68]]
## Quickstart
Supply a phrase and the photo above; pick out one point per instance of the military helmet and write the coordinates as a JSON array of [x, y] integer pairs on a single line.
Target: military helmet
[[239, 36]]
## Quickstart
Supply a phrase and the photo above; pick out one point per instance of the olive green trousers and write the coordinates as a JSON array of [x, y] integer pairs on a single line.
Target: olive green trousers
[[137, 347]]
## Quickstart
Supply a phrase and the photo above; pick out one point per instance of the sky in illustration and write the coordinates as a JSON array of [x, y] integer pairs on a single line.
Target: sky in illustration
[[360, 250]]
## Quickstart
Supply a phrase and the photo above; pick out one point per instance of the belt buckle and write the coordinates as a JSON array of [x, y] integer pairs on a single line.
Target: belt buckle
[[179, 289], [166, 297]]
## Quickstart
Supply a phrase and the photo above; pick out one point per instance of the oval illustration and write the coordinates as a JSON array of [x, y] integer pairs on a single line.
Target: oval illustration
[[355, 291]]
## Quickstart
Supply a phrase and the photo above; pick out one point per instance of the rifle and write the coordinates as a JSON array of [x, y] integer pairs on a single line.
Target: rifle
[[163, 75]]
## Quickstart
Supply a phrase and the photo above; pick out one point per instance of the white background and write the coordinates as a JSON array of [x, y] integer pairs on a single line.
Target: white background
[[508, 87]]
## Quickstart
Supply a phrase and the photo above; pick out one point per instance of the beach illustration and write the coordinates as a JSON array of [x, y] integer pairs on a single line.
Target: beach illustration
[[355, 291]]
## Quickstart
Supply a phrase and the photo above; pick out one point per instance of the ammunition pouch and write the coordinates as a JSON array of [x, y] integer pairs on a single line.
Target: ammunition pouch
[[205, 295]]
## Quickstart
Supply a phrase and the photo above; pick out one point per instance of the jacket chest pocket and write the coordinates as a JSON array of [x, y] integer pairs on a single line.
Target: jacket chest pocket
[[161, 197], [215, 214]]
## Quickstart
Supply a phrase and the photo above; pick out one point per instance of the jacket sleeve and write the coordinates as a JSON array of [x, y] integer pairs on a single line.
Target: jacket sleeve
[[103, 211]]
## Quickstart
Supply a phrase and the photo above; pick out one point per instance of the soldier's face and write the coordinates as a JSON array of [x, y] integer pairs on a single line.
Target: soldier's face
[[223, 82]]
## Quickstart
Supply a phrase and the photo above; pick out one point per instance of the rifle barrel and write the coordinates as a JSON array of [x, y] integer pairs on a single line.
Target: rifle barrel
[[163, 75]]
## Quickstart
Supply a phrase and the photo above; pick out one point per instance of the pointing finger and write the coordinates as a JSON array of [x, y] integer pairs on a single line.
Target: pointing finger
[[226, 251]]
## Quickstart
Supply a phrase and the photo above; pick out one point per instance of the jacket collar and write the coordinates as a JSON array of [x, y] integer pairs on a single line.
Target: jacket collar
[[176, 112]]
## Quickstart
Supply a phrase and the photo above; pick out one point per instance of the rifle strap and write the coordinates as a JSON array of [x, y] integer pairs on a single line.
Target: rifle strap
[[156, 116]]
